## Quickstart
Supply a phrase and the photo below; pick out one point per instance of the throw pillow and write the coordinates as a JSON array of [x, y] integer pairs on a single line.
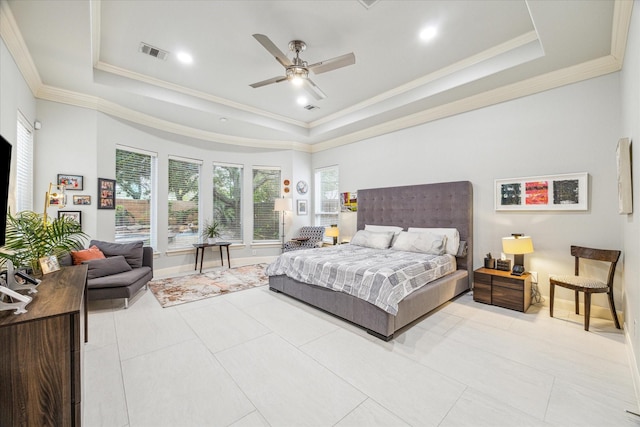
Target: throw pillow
[[370, 239], [428, 243], [107, 266], [132, 252], [86, 254]]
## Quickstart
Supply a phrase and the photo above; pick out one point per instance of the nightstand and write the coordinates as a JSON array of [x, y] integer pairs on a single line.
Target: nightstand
[[501, 288]]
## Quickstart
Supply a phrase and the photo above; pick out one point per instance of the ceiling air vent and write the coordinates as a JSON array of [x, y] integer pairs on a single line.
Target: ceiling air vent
[[147, 49], [368, 4], [311, 107]]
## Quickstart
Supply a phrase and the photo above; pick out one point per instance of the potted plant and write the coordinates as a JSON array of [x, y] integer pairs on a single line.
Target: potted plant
[[29, 238], [211, 231]]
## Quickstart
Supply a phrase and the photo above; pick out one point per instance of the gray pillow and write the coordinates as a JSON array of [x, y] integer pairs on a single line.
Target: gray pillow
[[132, 252], [371, 239], [428, 243], [107, 266]]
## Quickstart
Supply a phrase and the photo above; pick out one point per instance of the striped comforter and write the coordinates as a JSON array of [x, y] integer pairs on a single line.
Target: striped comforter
[[382, 277]]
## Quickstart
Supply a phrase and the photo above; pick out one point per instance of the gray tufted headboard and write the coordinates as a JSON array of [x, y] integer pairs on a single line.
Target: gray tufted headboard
[[447, 204]]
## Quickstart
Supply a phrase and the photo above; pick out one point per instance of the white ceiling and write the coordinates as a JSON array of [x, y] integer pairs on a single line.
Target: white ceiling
[[86, 53]]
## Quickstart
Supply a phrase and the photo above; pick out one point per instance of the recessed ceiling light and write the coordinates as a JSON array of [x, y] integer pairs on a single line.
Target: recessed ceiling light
[[184, 57], [428, 33], [302, 100]]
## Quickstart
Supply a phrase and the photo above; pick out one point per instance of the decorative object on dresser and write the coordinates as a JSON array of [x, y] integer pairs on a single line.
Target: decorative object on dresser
[[587, 285], [503, 264], [41, 357], [500, 288], [489, 261], [517, 245]]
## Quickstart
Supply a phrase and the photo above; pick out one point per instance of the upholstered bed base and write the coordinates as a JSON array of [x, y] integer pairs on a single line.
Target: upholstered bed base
[[373, 319], [442, 205]]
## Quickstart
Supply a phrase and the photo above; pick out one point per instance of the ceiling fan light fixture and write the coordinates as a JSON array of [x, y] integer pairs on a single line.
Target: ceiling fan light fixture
[[297, 75]]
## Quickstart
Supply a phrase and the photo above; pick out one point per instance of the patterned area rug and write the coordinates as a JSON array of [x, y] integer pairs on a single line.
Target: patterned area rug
[[179, 290]]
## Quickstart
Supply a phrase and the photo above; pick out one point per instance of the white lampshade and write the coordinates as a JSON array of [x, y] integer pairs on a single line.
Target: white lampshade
[[283, 204], [517, 245]]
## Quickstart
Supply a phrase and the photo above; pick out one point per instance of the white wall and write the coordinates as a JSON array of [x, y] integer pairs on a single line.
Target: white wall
[[83, 142], [630, 89], [566, 130], [15, 96]]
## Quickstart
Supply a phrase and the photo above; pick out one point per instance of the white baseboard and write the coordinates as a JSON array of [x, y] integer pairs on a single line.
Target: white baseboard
[[596, 310], [188, 269], [635, 374]]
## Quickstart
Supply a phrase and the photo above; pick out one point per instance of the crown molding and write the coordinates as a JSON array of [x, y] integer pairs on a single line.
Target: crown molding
[[12, 37], [76, 99], [622, 10], [565, 76]]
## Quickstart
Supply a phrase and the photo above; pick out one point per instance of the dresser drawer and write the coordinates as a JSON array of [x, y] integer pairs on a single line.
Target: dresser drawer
[[482, 278], [507, 298], [506, 282]]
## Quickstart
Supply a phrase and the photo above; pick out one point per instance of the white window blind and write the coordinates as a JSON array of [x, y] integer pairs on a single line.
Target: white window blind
[[24, 166], [184, 204], [227, 199], [327, 198], [135, 196], [266, 188]]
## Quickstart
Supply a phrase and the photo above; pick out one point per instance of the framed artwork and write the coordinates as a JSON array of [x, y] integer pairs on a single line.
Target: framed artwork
[[49, 264], [74, 215], [82, 200], [71, 182], [106, 193], [568, 192], [302, 207]]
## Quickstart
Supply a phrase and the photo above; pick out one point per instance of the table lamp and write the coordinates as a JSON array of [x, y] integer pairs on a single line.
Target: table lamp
[[518, 245], [332, 231]]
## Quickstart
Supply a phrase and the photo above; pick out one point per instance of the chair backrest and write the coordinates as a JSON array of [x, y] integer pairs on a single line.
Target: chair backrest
[[605, 255], [315, 234]]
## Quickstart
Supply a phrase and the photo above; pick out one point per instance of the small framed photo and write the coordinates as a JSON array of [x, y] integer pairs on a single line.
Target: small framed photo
[[71, 182], [302, 207], [82, 200], [106, 193], [49, 264], [74, 215]]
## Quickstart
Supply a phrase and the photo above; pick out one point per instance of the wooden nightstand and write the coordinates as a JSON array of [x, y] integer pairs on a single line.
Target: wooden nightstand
[[501, 288]]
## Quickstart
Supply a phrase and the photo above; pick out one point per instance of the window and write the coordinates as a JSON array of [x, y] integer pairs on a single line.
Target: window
[[327, 198], [24, 166], [266, 188], [227, 200], [135, 196], [184, 193]]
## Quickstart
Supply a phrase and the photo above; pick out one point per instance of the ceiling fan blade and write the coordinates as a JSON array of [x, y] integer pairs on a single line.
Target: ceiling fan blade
[[269, 81], [273, 49], [333, 63], [314, 90]]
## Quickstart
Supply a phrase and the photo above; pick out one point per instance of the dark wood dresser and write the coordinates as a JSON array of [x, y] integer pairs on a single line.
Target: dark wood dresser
[[41, 354], [501, 288]]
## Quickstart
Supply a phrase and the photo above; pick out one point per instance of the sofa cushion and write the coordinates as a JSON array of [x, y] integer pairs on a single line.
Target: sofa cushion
[[86, 254], [121, 279], [132, 252], [106, 266]]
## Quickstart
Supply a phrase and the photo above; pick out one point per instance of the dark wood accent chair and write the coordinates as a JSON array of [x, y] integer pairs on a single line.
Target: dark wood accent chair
[[588, 285]]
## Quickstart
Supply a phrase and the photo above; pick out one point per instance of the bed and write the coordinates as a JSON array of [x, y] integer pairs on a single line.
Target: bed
[[441, 205]]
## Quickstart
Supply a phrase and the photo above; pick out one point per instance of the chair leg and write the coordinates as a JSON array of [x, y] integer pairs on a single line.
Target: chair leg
[[552, 289], [612, 306], [578, 302], [587, 310]]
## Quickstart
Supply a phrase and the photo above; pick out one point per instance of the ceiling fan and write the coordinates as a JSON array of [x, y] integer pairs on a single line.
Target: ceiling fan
[[297, 70]]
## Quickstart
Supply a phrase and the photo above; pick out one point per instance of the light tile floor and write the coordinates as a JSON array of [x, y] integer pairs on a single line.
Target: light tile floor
[[256, 358]]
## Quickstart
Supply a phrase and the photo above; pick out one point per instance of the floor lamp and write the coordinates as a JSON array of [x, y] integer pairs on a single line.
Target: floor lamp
[[283, 205]]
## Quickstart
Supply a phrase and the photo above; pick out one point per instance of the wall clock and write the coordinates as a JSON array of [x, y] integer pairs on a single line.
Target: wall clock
[[302, 187]]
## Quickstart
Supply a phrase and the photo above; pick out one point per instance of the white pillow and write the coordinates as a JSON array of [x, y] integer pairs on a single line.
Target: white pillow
[[425, 242], [370, 239], [453, 237], [382, 228]]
